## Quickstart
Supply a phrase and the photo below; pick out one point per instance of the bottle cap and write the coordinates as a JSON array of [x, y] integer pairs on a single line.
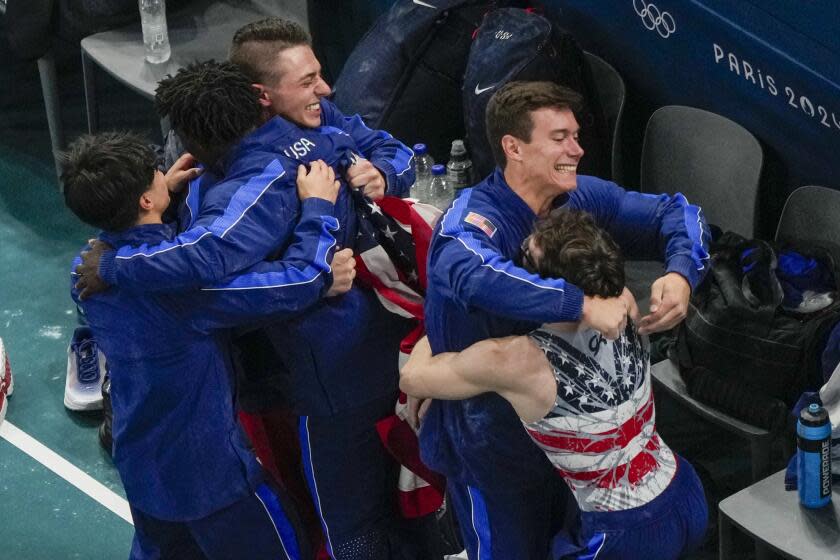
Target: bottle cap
[[419, 149], [458, 148], [813, 415], [438, 169]]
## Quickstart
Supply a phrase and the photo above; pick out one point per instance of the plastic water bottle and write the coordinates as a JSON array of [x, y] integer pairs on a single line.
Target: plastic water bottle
[[155, 34], [440, 194], [813, 443], [423, 163], [459, 168]]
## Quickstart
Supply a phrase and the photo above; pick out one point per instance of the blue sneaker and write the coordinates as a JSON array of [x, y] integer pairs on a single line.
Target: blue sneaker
[[7, 383], [85, 372]]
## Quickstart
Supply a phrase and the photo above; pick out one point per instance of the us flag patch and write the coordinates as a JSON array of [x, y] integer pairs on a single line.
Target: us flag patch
[[481, 223]]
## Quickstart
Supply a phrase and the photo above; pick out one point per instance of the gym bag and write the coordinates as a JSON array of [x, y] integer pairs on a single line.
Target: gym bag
[[759, 323]]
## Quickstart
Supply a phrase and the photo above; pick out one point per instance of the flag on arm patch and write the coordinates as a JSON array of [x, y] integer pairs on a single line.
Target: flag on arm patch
[[481, 223]]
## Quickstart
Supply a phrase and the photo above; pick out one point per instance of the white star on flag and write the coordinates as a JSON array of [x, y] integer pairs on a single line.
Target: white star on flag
[[388, 233], [374, 208]]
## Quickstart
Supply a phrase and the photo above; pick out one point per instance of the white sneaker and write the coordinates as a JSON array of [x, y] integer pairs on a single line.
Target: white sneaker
[[85, 372], [7, 382]]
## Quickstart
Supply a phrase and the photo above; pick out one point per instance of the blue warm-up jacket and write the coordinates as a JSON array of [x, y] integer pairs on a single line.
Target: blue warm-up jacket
[[343, 351], [177, 444], [477, 291]]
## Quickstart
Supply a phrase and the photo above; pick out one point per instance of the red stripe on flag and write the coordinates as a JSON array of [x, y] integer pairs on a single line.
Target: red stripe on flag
[[392, 295], [419, 501], [602, 442], [636, 469]]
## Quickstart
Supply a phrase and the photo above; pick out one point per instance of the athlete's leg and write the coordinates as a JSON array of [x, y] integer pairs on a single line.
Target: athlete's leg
[[352, 480], [155, 539], [261, 526], [501, 523]]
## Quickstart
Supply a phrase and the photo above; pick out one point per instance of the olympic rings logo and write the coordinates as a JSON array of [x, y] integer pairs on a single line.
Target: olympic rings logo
[[654, 19]]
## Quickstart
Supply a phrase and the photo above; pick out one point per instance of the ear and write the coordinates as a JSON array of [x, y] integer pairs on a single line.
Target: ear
[[145, 202], [265, 95], [511, 146]]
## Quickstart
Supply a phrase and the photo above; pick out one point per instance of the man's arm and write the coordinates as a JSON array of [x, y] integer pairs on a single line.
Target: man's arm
[[467, 263], [512, 366], [258, 218], [653, 226], [657, 226], [392, 158], [279, 289]]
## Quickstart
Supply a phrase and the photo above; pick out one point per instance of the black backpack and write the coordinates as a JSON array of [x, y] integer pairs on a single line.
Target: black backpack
[[514, 44], [738, 340], [406, 73]]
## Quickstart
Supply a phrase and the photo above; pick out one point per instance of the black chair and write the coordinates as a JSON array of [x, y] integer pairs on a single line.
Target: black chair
[[711, 160], [611, 93], [811, 214]]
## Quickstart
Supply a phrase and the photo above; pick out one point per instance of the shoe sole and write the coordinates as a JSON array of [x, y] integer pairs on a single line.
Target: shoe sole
[[80, 406]]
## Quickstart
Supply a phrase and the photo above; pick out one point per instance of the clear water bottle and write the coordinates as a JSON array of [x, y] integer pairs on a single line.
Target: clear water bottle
[[155, 34], [423, 163], [459, 168], [813, 444], [440, 193]]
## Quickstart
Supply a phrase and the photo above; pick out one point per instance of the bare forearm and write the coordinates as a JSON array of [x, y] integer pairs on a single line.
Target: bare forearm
[[451, 375]]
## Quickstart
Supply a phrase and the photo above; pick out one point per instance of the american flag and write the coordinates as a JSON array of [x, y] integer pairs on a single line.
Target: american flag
[[392, 245]]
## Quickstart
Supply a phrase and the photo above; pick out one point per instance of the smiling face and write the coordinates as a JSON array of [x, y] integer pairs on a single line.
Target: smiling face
[[552, 155], [297, 87]]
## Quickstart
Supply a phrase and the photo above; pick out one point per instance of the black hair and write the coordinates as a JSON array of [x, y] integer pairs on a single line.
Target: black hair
[[211, 105], [509, 111], [574, 248], [255, 46], [104, 175]]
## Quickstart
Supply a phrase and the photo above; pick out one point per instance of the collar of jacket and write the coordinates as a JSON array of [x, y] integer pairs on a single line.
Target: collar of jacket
[[151, 234], [496, 181]]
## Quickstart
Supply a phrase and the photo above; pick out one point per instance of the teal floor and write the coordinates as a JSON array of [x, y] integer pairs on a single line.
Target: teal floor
[[45, 516], [42, 516]]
